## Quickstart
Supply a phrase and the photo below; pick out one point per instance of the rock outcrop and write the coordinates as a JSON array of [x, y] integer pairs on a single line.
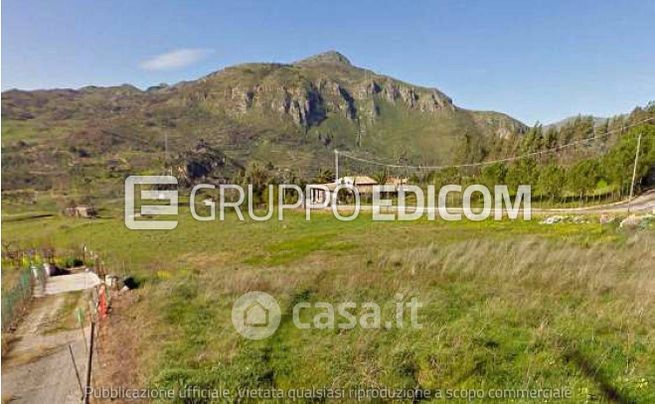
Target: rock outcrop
[[311, 99]]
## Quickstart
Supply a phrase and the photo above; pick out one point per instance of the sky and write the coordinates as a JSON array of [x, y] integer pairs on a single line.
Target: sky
[[536, 61]]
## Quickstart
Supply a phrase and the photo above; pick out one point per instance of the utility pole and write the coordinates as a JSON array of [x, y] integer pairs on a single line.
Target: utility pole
[[634, 172], [336, 166], [169, 170]]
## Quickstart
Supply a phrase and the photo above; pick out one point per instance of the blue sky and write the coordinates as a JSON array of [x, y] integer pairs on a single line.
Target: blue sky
[[541, 60]]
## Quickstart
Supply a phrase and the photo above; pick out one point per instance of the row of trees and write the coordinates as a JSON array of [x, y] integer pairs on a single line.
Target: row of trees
[[605, 132], [609, 173]]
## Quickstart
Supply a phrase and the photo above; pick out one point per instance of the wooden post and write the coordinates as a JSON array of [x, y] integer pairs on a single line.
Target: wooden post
[[87, 390]]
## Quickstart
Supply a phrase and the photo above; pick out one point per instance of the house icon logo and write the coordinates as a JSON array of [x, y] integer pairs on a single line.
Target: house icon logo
[[256, 315]]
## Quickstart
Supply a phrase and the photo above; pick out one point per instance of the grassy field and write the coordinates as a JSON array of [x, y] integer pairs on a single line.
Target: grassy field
[[506, 305]]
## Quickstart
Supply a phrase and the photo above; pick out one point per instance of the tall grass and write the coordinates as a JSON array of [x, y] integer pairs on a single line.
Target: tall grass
[[595, 271], [586, 312], [516, 312]]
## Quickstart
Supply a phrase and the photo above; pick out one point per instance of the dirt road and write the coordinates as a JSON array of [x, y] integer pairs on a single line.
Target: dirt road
[[38, 367], [642, 204]]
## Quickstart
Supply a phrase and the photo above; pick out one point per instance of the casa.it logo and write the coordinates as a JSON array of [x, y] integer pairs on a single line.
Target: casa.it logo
[[256, 315], [158, 191]]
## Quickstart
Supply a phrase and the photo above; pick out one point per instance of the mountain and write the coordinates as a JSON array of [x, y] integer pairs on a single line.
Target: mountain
[[287, 116]]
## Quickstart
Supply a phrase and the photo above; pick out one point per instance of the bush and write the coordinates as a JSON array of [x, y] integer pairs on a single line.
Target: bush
[[71, 262]]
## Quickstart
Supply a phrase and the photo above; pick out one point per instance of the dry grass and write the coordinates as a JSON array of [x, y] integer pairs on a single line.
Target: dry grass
[[511, 312], [627, 271], [588, 306]]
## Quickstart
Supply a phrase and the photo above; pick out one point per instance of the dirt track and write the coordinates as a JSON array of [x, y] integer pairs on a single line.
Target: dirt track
[[642, 204], [37, 367]]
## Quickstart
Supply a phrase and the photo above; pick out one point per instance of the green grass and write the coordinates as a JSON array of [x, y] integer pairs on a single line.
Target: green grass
[[506, 304], [65, 318]]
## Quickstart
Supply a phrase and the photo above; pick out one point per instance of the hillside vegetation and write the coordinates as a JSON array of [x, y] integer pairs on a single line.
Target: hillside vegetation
[[271, 123], [286, 116]]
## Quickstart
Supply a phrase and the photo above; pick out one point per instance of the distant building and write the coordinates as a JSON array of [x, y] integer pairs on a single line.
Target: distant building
[[363, 183], [85, 212]]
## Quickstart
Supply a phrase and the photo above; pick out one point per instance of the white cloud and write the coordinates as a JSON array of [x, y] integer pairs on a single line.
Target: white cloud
[[175, 59]]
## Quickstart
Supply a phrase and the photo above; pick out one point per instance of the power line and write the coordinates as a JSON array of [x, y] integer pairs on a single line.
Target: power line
[[551, 150], [615, 120]]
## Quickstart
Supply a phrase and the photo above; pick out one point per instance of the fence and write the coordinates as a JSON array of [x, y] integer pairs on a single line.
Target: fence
[[14, 300]]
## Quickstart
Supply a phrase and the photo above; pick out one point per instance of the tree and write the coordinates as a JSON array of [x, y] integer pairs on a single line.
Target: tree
[[447, 176], [533, 140], [551, 181], [259, 177], [550, 140], [583, 177], [381, 176], [493, 174], [470, 149], [522, 172], [583, 127], [619, 161], [323, 176]]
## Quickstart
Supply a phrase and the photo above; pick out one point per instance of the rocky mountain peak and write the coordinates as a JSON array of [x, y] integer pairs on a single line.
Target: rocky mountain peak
[[329, 57]]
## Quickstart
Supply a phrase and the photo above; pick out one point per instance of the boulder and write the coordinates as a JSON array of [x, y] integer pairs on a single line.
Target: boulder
[[630, 221], [552, 220]]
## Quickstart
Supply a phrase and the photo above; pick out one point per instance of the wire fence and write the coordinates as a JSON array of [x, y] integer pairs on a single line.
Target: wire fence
[[15, 299]]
